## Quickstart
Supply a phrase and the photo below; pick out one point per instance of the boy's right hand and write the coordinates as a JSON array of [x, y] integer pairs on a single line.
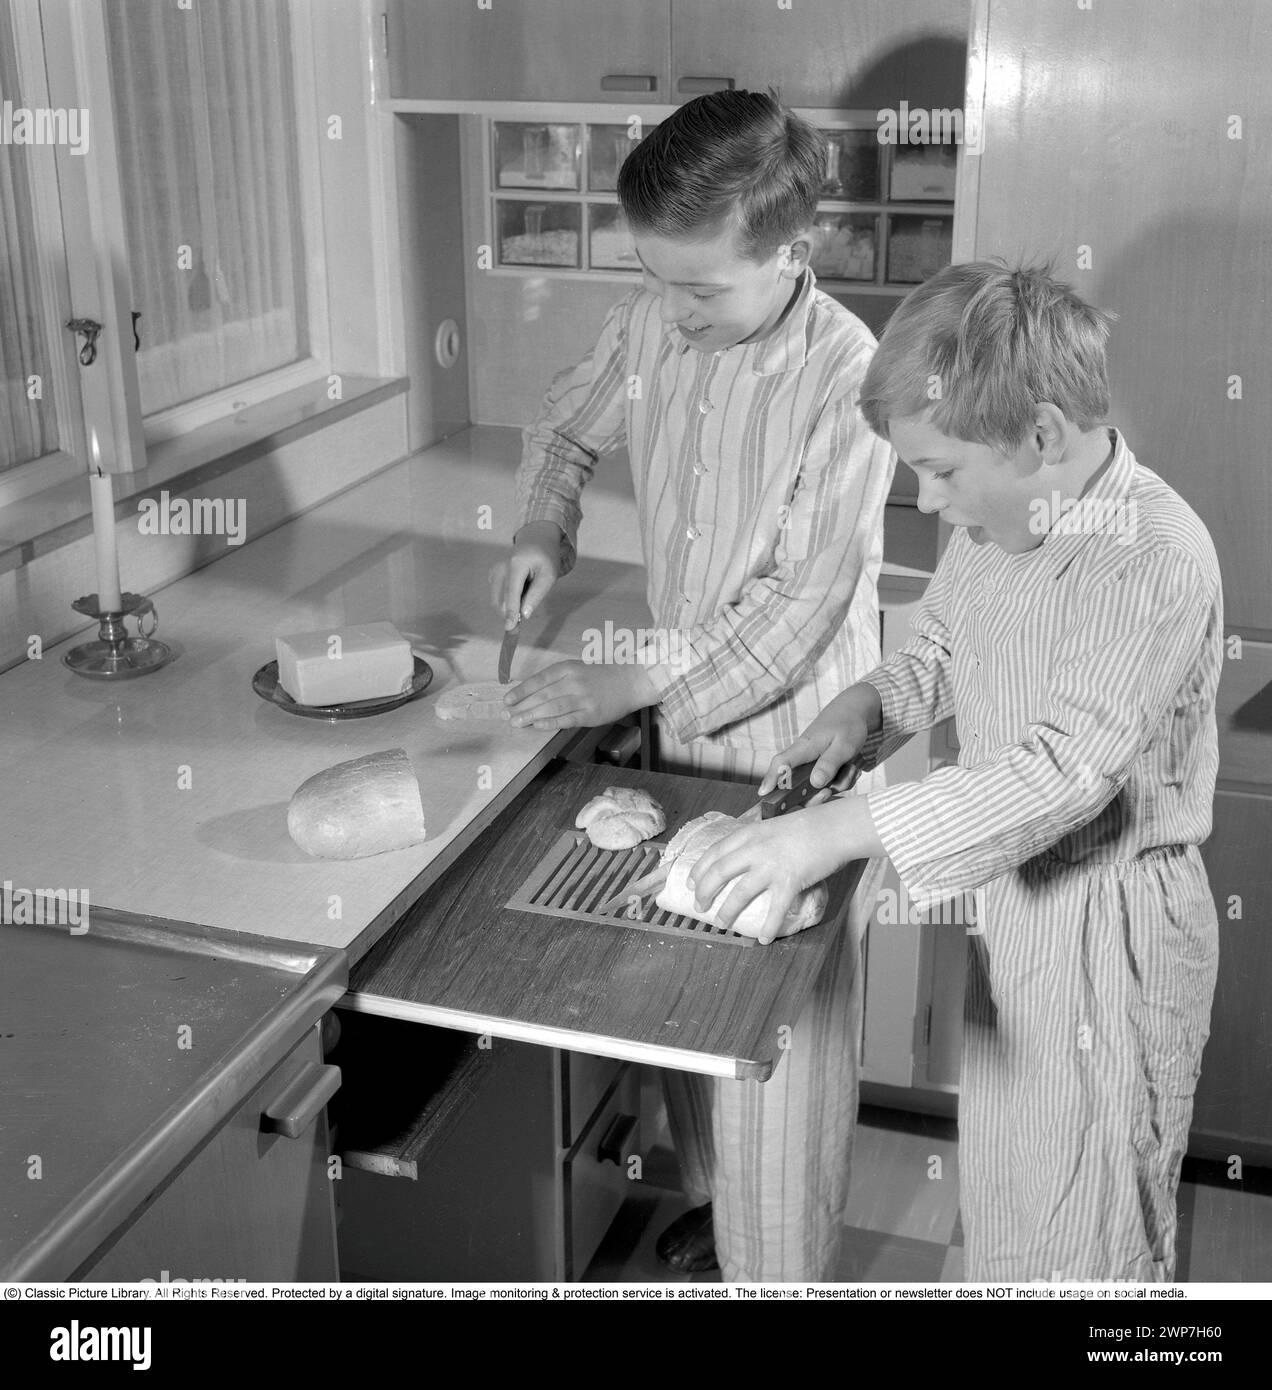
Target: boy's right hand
[[833, 739], [534, 567]]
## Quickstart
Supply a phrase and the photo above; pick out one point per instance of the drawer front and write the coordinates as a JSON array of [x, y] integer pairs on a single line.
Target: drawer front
[[586, 1079], [1244, 713], [251, 1204], [596, 1173]]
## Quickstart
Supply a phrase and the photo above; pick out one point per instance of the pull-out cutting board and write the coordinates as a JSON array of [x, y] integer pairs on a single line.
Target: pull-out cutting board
[[462, 958]]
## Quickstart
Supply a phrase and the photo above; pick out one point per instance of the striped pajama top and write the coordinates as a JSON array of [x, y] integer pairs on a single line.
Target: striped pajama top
[[1082, 675], [759, 497]]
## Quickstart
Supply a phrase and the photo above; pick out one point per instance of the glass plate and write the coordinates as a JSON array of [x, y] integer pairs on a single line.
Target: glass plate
[[265, 683]]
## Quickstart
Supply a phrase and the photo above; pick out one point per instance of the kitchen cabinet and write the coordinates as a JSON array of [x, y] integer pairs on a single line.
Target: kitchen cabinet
[[822, 53], [817, 53], [161, 1101], [528, 50], [1232, 1113], [512, 1158], [915, 968], [478, 1158], [254, 1203], [1154, 206], [1233, 1110]]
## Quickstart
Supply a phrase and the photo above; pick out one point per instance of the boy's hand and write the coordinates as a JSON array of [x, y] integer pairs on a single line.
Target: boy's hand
[[781, 856], [834, 738], [534, 567], [576, 694]]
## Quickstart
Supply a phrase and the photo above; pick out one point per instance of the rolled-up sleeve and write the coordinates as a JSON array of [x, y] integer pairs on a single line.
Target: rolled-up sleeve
[[583, 415], [766, 641], [1123, 654]]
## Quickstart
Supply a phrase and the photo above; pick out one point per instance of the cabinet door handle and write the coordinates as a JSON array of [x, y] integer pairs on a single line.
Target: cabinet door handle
[[629, 82], [693, 86], [296, 1106]]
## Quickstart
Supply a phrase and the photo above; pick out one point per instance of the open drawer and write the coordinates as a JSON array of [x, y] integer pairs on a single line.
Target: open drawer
[[462, 958]]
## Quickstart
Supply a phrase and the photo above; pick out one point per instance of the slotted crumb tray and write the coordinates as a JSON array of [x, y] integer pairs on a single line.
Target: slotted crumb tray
[[575, 877]]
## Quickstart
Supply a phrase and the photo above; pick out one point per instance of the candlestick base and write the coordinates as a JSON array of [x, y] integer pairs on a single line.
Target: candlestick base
[[115, 655]]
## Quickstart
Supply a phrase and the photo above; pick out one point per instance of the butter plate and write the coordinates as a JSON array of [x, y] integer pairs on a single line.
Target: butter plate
[[265, 683]]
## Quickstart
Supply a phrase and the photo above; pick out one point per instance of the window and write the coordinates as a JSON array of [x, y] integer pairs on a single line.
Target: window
[[206, 131], [32, 381], [209, 198]]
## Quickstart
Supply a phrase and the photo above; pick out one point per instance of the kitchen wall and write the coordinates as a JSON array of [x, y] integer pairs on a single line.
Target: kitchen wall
[[522, 329], [525, 328], [275, 483]]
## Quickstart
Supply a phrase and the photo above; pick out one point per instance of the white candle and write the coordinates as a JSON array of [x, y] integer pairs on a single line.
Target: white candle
[[103, 495]]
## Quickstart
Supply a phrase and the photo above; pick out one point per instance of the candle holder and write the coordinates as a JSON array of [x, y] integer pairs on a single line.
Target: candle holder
[[115, 655]]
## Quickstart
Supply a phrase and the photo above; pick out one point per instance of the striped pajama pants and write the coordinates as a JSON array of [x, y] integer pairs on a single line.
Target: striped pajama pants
[[773, 1157], [1087, 1007]]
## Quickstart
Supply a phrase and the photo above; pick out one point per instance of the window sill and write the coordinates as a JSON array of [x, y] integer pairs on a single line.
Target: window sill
[[45, 521]]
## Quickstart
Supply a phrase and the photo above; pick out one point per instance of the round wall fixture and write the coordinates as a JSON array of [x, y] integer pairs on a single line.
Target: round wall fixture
[[448, 343]]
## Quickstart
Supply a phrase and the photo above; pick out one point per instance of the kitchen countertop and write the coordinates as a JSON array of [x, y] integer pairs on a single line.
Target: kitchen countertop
[[166, 796]]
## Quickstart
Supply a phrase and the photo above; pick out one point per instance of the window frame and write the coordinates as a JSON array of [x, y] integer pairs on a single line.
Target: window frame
[[78, 216], [54, 290], [169, 424]]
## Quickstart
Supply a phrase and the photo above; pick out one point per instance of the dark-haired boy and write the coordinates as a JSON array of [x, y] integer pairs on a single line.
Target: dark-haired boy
[[1074, 626], [733, 382]]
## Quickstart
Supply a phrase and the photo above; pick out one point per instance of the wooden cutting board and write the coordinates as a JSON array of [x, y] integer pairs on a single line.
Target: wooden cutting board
[[462, 958]]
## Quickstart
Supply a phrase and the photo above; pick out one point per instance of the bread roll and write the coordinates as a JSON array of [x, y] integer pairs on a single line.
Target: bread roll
[[621, 818], [366, 806], [684, 850]]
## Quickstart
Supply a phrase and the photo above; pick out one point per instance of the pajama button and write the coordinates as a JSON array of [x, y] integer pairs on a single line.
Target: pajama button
[[693, 533], [699, 469], [704, 407]]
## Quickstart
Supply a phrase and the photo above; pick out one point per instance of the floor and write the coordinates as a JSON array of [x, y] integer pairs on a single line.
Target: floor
[[903, 1224]]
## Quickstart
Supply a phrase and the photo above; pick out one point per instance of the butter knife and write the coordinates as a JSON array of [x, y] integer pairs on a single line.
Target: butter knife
[[509, 644], [506, 649]]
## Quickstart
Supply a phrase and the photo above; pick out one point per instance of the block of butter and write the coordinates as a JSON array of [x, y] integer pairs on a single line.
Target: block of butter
[[335, 665]]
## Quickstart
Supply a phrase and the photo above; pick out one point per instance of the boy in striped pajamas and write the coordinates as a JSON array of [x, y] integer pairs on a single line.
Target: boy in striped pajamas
[[732, 381], [1073, 628]]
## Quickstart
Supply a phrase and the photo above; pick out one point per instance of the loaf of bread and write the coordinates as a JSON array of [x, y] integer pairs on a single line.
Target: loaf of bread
[[362, 807], [620, 818], [683, 851], [476, 700]]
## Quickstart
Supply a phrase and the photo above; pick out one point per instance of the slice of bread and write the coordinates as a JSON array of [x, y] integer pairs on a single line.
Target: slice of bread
[[474, 700]]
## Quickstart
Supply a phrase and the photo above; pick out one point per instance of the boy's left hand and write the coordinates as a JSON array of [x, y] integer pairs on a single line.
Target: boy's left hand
[[781, 856], [577, 694]]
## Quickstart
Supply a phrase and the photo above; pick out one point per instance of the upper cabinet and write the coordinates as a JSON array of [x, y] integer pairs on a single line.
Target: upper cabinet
[[530, 50], [816, 53], [1152, 202], [822, 53]]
